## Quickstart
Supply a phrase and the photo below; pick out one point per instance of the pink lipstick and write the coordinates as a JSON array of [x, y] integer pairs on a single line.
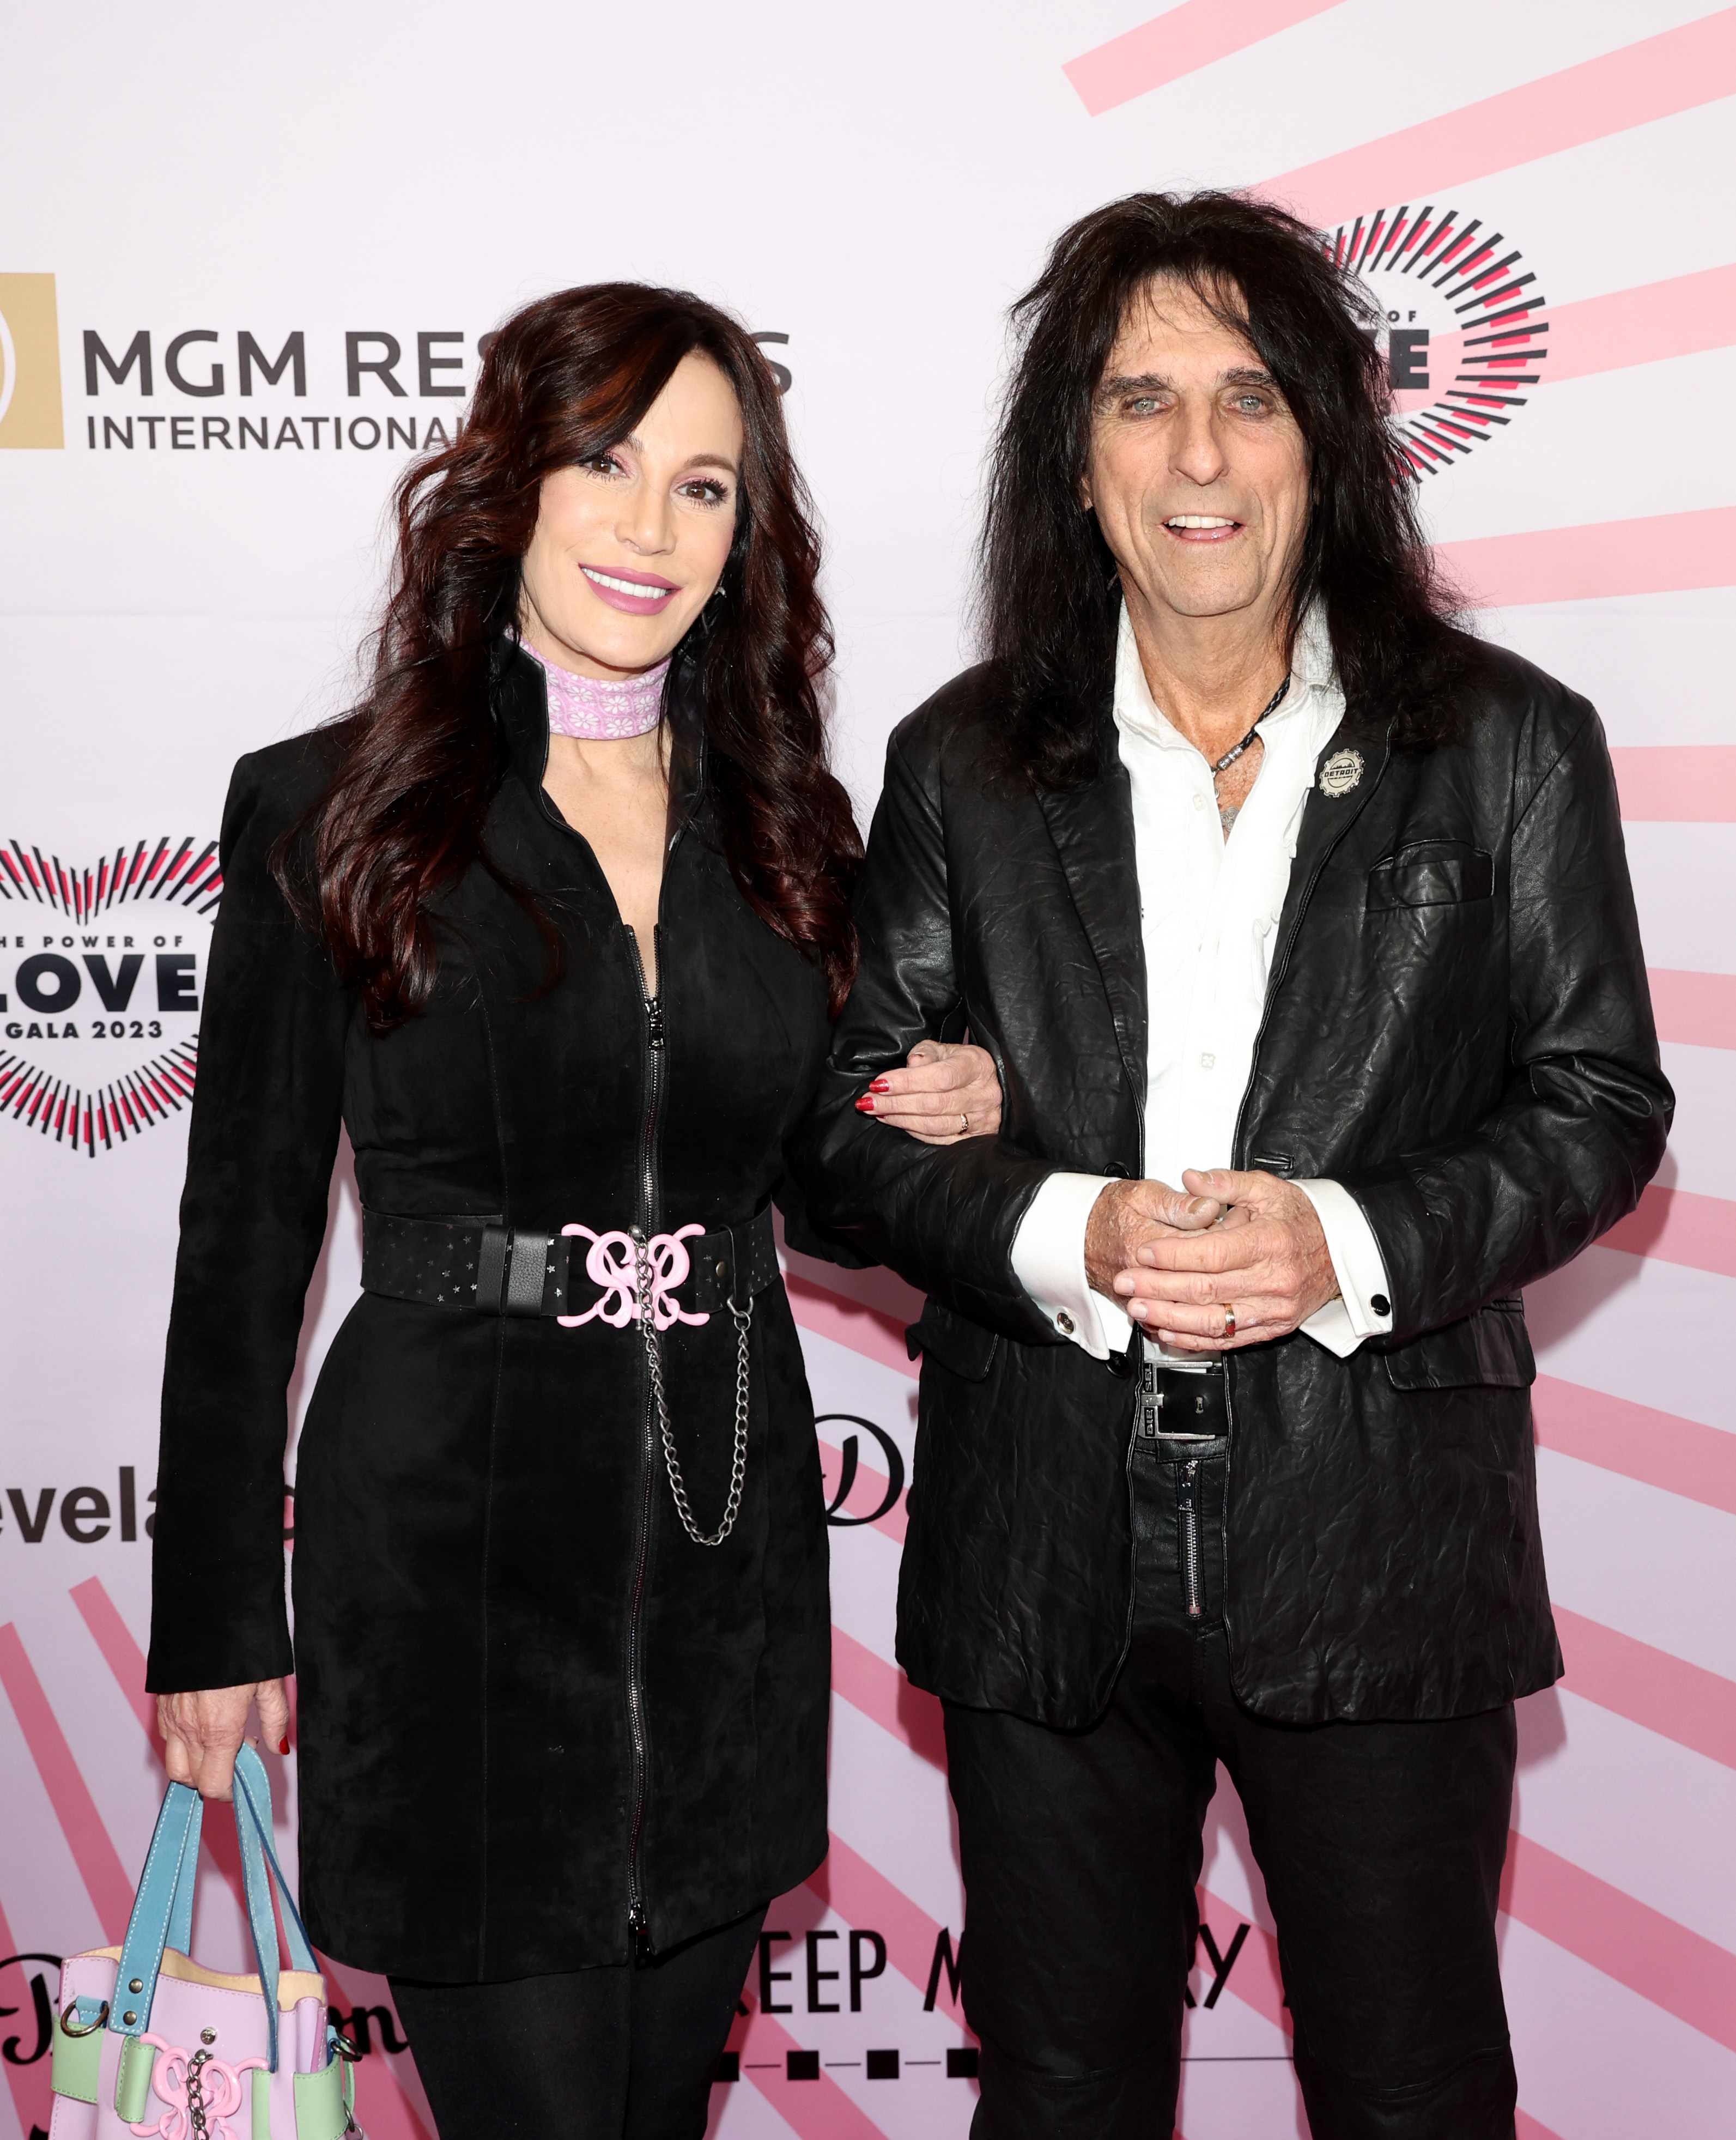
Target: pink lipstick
[[639, 594]]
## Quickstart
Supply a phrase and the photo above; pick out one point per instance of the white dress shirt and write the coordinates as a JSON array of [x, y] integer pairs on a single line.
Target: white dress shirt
[[1209, 913]]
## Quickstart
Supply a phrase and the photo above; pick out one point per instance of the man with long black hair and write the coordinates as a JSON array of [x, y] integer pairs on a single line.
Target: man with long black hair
[[1300, 926]]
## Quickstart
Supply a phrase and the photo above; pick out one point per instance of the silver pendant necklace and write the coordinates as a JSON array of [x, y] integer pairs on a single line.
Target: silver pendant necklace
[[1230, 757]]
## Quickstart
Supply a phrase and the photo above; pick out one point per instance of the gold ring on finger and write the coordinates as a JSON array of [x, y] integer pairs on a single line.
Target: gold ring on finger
[[1229, 1321]]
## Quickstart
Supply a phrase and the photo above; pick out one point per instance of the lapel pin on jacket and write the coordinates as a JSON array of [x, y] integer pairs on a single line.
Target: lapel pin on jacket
[[1340, 773]]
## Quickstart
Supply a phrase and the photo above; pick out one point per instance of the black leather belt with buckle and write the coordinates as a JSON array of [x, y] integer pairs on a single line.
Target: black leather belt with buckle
[[492, 1269], [1173, 1402]]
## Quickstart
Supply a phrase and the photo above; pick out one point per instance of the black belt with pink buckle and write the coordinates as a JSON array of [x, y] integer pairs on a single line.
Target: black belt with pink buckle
[[575, 1275]]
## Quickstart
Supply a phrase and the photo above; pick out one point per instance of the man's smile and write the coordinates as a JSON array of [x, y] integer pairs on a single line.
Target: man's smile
[[1202, 526]]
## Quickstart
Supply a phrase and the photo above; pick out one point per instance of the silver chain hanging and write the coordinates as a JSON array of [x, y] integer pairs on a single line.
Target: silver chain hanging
[[196, 2117], [654, 1368]]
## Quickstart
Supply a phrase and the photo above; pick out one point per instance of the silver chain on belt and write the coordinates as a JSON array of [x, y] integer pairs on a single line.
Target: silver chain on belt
[[654, 1368]]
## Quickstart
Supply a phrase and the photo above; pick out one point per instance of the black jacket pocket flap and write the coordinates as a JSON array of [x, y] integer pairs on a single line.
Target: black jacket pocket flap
[[963, 1347], [1431, 873], [1489, 1348]]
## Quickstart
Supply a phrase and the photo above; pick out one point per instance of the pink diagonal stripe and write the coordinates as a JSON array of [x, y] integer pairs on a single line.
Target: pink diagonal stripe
[[868, 1331], [1678, 1226], [1697, 1009], [883, 1694], [1658, 555], [120, 1653], [1190, 37], [876, 1287], [1528, 2128], [1660, 75], [100, 1866], [1684, 784], [816, 2109], [1662, 1693], [1682, 1456], [865, 1897], [1256, 1979], [31, 2096], [1675, 318], [1676, 1969]]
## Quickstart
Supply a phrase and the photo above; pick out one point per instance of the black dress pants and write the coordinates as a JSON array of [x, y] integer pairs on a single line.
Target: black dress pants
[[1381, 1845], [623, 2052]]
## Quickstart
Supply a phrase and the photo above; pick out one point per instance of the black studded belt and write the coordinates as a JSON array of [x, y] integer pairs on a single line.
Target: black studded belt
[[575, 1275]]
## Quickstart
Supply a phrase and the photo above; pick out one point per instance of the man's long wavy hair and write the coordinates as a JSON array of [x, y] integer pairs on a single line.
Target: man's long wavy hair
[[419, 762], [1049, 591]]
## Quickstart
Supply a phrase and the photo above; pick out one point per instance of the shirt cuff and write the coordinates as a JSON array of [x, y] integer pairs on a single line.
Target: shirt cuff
[[1364, 1307], [1048, 1261]]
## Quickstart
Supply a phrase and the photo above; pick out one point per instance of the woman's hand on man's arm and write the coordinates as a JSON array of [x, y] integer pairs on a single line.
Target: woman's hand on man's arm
[[203, 1732], [949, 1091]]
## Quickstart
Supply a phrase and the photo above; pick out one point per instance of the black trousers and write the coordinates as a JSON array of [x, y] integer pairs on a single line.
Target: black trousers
[[1381, 1845], [621, 2053]]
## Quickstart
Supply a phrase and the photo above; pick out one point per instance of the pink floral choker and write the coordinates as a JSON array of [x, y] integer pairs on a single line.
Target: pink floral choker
[[597, 712]]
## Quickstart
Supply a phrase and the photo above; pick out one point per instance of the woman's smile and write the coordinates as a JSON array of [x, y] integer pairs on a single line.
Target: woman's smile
[[640, 594]]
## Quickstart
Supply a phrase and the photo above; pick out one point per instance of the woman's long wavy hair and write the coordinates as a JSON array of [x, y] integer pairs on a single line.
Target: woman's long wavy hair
[[1049, 589], [417, 763]]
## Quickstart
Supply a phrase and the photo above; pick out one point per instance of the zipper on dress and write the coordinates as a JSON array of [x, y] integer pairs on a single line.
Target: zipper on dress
[[1187, 1514], [645, 1219], [645, 1223]]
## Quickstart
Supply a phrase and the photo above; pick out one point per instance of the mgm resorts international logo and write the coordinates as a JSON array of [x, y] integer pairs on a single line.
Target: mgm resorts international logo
[[1463, 325], [102, 972], [249, 393]]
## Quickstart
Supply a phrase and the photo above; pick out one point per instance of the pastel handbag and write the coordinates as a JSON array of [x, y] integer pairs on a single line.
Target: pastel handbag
[[148, 2043]]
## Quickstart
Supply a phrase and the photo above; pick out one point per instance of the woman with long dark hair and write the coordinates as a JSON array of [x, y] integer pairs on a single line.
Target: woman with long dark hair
[[554, 926]]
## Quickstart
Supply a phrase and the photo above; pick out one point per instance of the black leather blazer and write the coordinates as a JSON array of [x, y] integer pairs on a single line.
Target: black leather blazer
[[1457, 1028], [527, 1701]]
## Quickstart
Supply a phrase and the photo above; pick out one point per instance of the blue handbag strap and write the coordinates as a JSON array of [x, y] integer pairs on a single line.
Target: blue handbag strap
[[259, 1867], [186, 1886], [254, 1791], [162, 1913], [163, 1900]]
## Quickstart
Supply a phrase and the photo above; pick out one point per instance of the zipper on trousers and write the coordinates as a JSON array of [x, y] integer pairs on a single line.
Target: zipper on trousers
[[1187, 1519], [645, 1219]]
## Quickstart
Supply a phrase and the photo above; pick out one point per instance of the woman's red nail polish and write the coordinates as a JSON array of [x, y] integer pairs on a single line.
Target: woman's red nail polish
[[865, 1106], [283, 1745], [880, 1085]]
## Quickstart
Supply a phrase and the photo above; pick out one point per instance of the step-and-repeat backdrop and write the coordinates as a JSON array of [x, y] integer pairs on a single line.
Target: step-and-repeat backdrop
[[246, 260]]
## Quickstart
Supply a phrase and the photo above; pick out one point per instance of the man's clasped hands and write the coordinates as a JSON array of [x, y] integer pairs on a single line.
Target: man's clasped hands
[[1229, 1259]]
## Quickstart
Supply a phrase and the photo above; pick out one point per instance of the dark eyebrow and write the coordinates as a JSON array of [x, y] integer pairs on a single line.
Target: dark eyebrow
[[1153, 382], [1144, 382], [634, 444]]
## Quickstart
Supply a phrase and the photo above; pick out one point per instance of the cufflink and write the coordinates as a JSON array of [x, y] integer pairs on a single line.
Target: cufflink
[[1380, 1303], [1064, 1322]]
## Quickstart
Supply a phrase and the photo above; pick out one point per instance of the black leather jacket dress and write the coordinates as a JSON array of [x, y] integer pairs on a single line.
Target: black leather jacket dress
[[534, 1715], [1457, 1029]]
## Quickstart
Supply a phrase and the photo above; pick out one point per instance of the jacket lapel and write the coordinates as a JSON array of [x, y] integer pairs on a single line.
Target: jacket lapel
[[1348, 773], [1092, 829]]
